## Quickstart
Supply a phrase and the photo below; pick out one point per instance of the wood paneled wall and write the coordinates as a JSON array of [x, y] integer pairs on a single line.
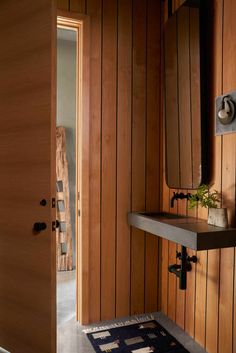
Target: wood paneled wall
[[124, 152], [124, 173], [207, 310]]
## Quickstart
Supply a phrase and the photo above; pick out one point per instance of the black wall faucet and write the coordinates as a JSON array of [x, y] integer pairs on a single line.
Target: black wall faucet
[[179, 196]]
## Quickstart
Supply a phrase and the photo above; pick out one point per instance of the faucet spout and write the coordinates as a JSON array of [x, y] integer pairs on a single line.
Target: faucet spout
[[179, 196]]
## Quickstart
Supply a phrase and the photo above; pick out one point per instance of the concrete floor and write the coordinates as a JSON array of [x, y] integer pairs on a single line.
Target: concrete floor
[[72, 339], [66, 302]]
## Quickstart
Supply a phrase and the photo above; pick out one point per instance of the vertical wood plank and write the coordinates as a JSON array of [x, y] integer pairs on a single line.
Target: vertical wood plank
[[228, 185], [94, 11], [63, 4], [172, 283], [212, 314], [190, 299], [78, 6], [108, 199], [185, 143], [172, 279], [200, 309], [212, 301], [226, 301], [234, 317], [152, 149], [180, 294], [151, 273], [137, 272], [165, 190], [195, 95], [207, 277], [164, 275], [164, 244], [227, 255], [138, 153], [191, 288], [123, 157], [172, 123]]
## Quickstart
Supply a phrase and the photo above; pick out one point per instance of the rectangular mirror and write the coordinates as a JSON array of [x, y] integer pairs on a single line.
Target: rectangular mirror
[[184, 97]]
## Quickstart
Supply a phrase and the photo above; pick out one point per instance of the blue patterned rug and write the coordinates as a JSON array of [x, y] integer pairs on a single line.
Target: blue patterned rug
[[143, 337]]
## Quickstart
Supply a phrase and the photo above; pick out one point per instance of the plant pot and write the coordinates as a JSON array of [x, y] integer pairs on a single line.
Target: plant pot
[[218, 217]]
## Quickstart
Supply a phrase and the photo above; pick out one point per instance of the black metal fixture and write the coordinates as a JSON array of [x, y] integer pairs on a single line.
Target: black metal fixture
[[39, 226], [43, 202], [180, 270], [179, 196]]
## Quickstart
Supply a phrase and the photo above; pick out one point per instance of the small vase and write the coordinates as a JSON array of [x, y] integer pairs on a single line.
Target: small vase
[[218, 217]]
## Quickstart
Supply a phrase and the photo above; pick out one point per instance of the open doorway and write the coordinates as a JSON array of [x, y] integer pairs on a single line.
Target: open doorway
[[66, 172], [74, 73]]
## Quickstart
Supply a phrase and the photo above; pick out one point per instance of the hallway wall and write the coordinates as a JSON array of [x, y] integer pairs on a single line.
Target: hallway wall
[[207, 310], [125, 151], [66, 115]]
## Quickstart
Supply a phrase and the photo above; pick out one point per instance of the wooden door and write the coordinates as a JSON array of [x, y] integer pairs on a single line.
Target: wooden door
[[27, 176]]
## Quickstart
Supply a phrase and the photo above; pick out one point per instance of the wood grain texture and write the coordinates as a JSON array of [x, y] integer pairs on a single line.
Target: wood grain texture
[[184, 102], [172, 148], [180, 294], [200, 305], [191, 288], [211, 305], [234, 316], [228, 187], [165, 201], [152, 149], [123, 157], [194, 96], [190, 299], [139, 153], [164, 243], [120, 73], [151, 273], [78, 6], [164, 275], [227, 255], [182, 96], [27, 159], [109, 160], [63, 4], [94, 8], [172, 283], [213, 278], [172, 279]]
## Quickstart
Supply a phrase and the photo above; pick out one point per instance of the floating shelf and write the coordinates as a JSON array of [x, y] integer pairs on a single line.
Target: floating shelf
[[190, 232]]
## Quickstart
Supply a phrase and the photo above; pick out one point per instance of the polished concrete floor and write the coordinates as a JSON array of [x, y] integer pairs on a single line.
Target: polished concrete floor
[[66, 302], [72, 339]]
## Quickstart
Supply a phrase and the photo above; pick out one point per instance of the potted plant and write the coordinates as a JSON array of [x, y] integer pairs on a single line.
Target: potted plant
[[217, 216]]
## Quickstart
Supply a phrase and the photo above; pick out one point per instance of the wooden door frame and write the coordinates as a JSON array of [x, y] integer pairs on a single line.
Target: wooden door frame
[[82, 24]]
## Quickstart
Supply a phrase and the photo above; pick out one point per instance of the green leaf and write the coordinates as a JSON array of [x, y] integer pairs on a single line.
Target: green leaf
[[205, 197]]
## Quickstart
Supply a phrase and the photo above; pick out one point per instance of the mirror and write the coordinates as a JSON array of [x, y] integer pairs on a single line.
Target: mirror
[[184, 98]]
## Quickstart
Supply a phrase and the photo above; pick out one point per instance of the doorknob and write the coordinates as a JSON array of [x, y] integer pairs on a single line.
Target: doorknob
[[39, 226]]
